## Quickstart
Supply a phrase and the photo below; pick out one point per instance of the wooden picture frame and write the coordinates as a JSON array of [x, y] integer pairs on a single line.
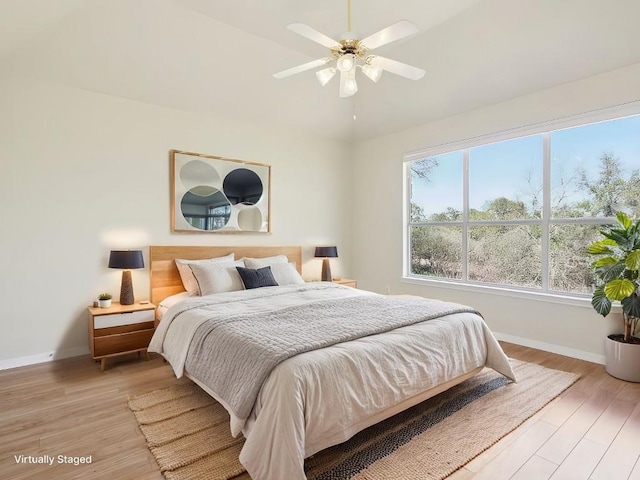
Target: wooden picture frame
[[212, 194]]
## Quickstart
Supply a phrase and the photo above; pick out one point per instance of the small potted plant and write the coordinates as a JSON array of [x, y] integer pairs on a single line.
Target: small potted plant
[[104, 300], [616, 275]]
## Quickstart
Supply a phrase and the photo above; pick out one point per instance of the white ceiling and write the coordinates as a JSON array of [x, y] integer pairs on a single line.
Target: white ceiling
[[219, 55]]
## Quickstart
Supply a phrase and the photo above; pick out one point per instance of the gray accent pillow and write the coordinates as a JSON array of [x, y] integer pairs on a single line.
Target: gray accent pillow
[[256, 278]]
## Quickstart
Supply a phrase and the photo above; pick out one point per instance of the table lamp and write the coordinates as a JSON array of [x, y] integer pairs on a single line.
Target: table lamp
[[325, 253], [126, 260]]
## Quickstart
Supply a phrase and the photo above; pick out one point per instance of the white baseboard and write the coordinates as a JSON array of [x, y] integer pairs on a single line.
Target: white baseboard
[[42, 357], [550, 347]]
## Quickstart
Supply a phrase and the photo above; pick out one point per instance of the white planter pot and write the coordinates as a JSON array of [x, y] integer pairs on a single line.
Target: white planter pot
[[623, 359], [104, 303]]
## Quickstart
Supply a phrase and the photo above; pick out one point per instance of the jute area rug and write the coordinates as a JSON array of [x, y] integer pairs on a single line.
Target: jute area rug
[[188, 432]]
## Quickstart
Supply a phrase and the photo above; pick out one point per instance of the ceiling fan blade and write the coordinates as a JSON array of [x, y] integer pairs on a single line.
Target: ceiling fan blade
[[390, 34], [311, 34], [302, 68], [399, 68]]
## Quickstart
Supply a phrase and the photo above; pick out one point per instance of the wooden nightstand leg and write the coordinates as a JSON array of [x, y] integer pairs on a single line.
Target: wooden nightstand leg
[[147, 355], [103, 363]]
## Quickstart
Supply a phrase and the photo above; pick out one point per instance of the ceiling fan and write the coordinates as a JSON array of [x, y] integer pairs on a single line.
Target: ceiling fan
[[351, 53]]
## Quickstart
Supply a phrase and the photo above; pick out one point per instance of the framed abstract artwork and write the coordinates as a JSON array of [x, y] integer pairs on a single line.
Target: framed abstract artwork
[[216, 194]]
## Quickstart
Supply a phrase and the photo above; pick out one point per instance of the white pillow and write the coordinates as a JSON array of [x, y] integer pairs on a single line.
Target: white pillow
[[188, 280], [255, 263], [171, 300], [218, 277], [168, 302], [286, 274]]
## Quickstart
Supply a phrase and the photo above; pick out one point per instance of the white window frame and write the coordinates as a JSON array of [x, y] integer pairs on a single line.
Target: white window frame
[[545, 129]]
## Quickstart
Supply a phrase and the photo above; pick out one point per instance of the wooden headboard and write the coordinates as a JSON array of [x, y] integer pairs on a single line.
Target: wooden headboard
[[165, 279]]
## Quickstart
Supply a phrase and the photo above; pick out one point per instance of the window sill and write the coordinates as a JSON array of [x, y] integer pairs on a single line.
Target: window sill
[[572, 300]]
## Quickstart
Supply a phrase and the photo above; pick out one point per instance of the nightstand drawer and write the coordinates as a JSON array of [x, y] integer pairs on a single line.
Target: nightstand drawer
[[118, 319], [123, 342], [130, 327]]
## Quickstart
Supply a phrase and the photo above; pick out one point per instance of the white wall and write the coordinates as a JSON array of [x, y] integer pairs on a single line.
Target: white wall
[[83, 173], [378, 210]]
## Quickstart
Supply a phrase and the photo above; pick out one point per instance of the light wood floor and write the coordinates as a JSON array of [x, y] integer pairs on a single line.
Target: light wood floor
[[68, 407]]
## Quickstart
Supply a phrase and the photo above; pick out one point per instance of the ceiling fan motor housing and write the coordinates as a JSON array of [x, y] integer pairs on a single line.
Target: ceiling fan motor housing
[[350, 46]]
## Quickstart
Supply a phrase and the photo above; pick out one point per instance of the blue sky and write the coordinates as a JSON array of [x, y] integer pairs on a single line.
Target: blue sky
[[501, 169]]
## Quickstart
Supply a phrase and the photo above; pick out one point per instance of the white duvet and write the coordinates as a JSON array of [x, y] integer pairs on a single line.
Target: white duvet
[[321, 398]]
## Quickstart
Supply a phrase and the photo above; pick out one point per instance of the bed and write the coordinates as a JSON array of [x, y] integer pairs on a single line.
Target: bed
[[302, 367]]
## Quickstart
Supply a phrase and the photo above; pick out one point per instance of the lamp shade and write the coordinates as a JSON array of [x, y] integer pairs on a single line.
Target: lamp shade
[[327, 252], [126, 259]]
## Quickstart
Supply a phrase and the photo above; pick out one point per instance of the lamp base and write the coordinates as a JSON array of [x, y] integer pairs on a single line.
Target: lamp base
[[326, 271], [126, 289]]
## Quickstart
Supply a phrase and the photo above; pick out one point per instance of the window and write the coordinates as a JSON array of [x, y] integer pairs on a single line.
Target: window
[[520, 213]]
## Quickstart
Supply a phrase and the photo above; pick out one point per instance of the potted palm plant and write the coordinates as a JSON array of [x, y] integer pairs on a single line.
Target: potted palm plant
[[616, 275]]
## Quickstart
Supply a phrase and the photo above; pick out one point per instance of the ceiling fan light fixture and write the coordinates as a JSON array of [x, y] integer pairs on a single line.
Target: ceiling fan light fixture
[[372, 71], [348, 84], [325, 75], [346, 62]]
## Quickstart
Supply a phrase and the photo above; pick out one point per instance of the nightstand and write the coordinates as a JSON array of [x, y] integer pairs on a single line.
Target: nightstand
[[120, 329], [346, 282]]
